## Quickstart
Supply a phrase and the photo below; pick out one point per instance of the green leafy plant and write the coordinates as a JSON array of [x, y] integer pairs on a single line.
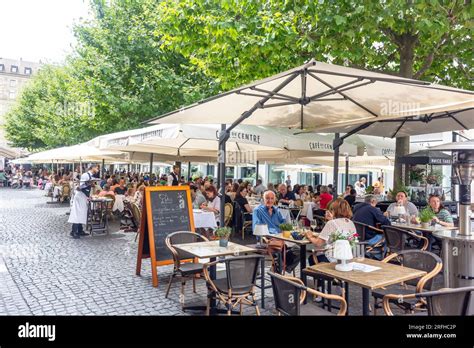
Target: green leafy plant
[[417, 174], [286, 227], [426, 215], [338, 235], [434, 177], [369, 190], [223, 232]]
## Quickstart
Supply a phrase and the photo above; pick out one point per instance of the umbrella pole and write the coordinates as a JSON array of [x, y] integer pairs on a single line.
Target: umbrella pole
[[189, 170], [103, 167], [151, 164], [256, 172], [223, 136], [336, 145], [347, 170]]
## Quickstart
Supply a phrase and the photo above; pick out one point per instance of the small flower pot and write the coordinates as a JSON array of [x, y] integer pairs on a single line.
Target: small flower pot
[[425, 224], [223, 243], [286, 234]]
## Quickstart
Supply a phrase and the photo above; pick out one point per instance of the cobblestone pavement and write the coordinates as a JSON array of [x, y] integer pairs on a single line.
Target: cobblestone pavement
[[43, 271]]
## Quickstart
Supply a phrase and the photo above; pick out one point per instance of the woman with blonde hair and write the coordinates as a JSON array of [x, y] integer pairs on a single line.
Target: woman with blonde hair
[[339, 220]]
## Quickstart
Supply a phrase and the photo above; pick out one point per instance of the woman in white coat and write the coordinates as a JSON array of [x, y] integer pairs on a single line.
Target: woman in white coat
[[80, 205]]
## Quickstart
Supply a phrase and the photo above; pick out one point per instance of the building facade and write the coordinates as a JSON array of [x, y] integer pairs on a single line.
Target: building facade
[[14, 75]]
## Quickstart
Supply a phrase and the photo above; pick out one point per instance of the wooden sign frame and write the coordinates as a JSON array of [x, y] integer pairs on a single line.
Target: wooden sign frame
[[146, 226]]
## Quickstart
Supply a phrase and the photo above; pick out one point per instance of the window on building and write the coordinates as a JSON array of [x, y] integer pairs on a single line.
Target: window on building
[[12, 83], [12, 94], [28, 71], [14, 69], [2, 67]]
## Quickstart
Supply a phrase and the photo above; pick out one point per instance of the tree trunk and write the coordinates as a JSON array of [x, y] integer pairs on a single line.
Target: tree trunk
[[402, 147]]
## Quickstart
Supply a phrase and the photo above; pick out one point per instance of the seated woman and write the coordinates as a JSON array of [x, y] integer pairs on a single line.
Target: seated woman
[[338, 216], [241, 200], [138, 196], [443, 216], [120, 192], [301, 194], [213, 203]]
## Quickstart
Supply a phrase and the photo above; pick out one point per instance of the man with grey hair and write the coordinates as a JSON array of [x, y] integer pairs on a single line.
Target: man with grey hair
[[268, 214], [367, 213]]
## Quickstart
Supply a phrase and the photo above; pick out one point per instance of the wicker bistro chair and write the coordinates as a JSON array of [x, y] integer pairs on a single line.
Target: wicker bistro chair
[[237, 288], [65, 193], [372, 251], [445, 301], [417, 259], [397, 239], [187, 270], [228, 213], [110, 206], [136, 218], [290, 292]]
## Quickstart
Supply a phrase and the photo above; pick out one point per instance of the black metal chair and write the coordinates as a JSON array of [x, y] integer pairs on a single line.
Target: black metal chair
[[416, 259], [237, 288], [187, 270], [242, 220], [445, 301], [375, 251], [397, 239], [289, 294]]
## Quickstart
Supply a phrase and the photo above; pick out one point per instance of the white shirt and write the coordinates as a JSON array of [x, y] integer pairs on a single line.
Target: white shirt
[[341, 224], [410, 208], [216, 204], [170, 179]]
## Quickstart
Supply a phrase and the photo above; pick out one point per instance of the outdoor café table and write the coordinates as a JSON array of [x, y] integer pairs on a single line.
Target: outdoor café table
[[98, 215], [211, 250], [426, 231], [388, 274], [286, 214], [204, 219], [308, 210]]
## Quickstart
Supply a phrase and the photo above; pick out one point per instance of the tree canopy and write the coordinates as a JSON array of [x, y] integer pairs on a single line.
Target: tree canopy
[[138, 59]]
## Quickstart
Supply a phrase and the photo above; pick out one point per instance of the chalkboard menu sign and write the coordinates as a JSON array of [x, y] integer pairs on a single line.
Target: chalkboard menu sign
[[166, 209]]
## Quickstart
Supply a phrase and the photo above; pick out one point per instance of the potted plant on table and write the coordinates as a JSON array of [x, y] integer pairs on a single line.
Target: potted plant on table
[[223, 233], [426, 215], [286, 229]]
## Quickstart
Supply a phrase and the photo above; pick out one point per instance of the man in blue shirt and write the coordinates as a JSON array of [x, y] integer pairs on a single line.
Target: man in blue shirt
[[268, 214], [368, 214]]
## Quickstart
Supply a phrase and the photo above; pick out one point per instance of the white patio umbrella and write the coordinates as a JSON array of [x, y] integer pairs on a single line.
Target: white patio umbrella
[[82, 152], [321, 96], [261, 143]]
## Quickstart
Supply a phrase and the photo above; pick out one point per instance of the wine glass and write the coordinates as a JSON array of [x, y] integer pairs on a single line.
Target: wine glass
[[314, 224]]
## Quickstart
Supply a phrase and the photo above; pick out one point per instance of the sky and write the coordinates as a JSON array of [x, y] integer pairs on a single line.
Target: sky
[[37, 30]]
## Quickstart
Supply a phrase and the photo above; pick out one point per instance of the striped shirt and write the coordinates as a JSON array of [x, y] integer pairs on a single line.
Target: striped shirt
[[262, 216], [444, 216]]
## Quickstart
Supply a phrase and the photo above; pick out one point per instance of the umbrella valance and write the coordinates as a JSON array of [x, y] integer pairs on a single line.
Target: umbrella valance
[[427, 157]]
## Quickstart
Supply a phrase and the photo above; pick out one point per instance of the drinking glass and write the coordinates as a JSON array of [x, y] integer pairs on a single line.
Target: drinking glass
[[358, 252], [314, 224]]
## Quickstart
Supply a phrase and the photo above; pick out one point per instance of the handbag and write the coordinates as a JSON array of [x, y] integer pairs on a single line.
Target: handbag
[[278, 246]]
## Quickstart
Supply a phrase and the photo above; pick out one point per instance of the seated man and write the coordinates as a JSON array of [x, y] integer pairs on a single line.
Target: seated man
[[284, 196], [368, 214], [402, 200], [268, 214]]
